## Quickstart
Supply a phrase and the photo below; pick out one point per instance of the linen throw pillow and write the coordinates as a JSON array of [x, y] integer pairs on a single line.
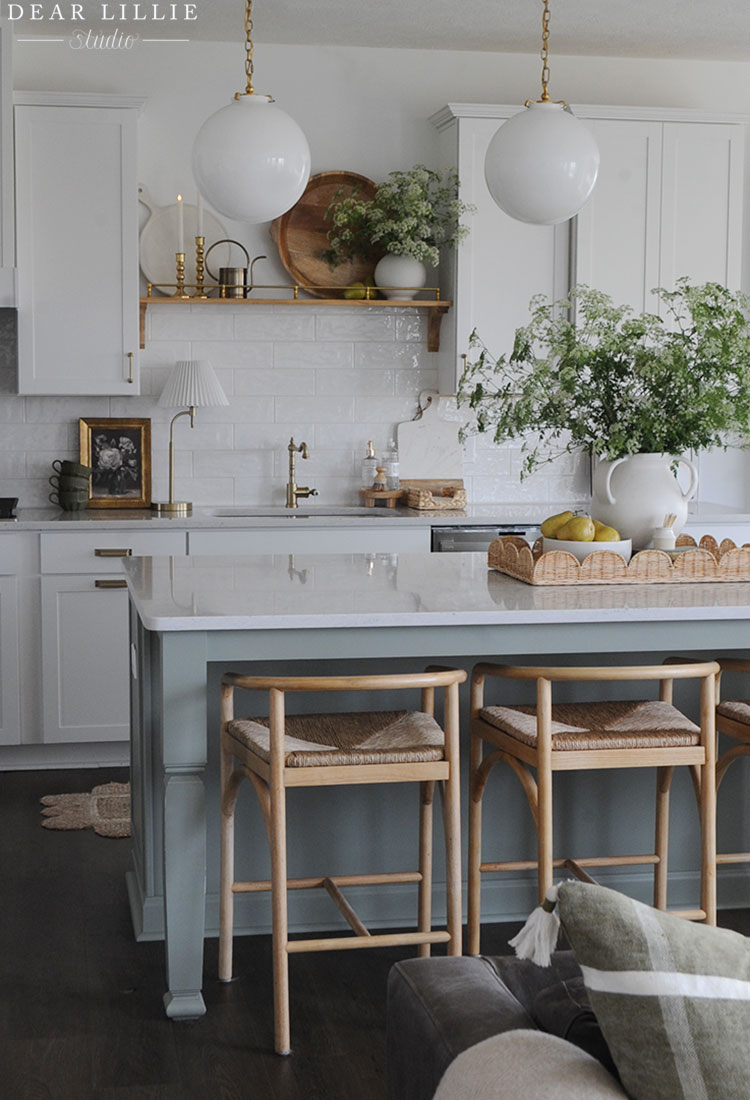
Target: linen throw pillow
[[672, 997]]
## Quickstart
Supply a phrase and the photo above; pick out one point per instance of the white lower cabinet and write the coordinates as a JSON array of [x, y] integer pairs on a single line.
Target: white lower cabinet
[[10, 714], [84, 630], [84, 659]]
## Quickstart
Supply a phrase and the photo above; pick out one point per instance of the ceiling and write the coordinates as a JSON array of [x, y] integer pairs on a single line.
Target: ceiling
[[699, 29]]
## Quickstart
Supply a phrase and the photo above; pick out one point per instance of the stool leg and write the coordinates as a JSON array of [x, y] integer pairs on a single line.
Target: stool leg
[[452, 822], [426, 803], [280, 925], [475, 847], [545, 844], [708, 800], [661, 846]]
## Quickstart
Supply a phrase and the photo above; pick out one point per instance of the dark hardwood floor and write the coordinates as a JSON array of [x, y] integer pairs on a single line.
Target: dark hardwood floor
[[81, 1013]]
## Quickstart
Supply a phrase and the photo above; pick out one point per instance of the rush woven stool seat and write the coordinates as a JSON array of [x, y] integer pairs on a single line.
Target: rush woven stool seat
[[732, 720], [538, 739], [284, 751]]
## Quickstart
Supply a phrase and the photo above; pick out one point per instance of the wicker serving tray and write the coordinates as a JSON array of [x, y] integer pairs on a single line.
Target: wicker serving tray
[[705, 561], [443, 501]]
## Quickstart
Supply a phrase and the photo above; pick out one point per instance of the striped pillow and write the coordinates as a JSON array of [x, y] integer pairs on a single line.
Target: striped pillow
[[672, 998]]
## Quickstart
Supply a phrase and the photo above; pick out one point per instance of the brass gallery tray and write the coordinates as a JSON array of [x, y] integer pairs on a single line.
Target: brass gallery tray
[[697, 562]]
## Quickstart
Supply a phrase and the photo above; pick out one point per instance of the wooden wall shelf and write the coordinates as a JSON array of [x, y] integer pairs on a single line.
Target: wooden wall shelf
[[435, 309]]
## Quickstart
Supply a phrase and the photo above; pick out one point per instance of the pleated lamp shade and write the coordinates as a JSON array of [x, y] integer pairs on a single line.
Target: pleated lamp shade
[[192, 383]]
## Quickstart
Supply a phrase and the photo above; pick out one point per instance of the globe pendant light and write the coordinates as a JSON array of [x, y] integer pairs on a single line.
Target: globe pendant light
[[542, 163], [251, 161]]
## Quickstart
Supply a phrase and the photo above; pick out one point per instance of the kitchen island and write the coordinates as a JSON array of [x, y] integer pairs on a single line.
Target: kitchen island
[[194, 617]]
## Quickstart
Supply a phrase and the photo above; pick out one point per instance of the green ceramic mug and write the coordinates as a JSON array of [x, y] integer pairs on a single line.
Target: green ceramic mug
[[70, 469]]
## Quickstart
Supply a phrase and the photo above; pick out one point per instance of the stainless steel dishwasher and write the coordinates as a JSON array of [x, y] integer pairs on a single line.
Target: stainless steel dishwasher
[[476, 537]]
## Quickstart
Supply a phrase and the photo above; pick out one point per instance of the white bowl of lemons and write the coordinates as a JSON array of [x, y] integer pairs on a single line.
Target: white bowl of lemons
[[581, 536]]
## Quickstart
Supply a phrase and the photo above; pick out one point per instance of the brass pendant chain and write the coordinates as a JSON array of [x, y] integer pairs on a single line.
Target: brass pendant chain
[[545, 53], [249, 47]]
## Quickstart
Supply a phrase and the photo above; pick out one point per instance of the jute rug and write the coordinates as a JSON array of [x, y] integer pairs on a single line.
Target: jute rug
[[106, 810]]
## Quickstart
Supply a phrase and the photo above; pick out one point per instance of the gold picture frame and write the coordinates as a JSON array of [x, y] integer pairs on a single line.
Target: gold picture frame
[[118, 450]]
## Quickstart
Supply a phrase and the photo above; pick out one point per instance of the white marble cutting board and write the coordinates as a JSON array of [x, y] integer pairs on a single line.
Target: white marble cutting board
[[429, 448]]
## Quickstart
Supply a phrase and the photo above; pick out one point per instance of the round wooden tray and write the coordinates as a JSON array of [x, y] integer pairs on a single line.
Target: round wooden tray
[[301, 235]]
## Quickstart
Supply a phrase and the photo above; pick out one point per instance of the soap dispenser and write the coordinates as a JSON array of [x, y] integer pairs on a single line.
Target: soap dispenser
[[369, 466]]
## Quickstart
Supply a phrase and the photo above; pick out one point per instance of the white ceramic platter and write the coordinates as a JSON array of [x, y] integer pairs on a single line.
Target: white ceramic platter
[[159, 239]]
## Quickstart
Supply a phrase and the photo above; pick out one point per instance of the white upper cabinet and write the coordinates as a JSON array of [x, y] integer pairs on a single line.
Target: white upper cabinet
[[502, 263], [77, 244], [668, 203], [7, 192]]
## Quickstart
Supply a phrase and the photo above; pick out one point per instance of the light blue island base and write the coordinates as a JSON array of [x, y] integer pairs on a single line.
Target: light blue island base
[[192, 618]]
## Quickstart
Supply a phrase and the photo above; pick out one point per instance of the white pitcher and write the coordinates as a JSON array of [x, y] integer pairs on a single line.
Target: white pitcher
[[633, 494]]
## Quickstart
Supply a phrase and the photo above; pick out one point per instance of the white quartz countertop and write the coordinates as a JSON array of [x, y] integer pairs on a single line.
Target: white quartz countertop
[[256, 515], [703, 516], [341, 590]]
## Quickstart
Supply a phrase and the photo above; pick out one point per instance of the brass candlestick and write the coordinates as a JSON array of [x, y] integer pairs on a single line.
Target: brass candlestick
[[200, 244], [180, 264]]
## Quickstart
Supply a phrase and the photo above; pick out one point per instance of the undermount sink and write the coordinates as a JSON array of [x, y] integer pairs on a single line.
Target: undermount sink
[[239, 511]]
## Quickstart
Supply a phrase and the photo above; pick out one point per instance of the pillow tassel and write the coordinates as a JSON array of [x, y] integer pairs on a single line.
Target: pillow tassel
[[538, 937]]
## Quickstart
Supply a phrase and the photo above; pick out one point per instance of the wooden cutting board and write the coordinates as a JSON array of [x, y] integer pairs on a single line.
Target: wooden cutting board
[[301, 235], [429, 447]]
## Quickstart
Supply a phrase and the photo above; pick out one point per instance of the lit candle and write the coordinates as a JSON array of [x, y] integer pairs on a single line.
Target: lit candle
[[180, 226], [199, 217]]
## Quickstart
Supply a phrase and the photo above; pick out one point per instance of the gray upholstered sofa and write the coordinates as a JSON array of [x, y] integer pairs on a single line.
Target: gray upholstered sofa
[[439, 1008]]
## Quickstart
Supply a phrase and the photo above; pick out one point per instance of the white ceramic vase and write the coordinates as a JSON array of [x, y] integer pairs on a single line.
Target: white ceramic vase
[[635, 493], [399, 276]]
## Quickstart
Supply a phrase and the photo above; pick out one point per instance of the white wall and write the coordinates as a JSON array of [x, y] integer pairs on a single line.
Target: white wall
[[324, 378]]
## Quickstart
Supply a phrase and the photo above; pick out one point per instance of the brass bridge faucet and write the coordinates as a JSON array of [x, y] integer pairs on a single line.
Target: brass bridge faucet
[[293, 490]]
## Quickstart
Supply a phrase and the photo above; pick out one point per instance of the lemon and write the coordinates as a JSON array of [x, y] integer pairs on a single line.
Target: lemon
[[551, 525]]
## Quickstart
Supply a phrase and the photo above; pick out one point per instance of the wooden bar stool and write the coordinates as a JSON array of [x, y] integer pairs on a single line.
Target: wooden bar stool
[[546, 738], [320, 750], [733, 720]]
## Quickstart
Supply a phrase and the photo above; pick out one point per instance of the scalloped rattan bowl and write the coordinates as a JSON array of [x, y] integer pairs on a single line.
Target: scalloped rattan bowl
[[581, 550]]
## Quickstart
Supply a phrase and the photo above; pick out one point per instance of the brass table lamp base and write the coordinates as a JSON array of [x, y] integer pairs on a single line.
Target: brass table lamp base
[[172, 508]]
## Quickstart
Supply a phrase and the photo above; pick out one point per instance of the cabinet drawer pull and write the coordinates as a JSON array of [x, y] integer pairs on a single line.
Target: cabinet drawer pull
[[106, 552], [130, 368], [110, 584]]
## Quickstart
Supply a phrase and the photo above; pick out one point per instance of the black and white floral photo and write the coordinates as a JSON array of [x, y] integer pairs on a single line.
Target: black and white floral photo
[[119, 453]]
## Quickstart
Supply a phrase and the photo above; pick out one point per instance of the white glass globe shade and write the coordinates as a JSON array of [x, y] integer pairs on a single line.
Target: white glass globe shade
[[251, 161], [542, 165]]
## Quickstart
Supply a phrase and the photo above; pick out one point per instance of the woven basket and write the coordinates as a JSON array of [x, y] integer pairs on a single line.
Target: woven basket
[[443, 501], [706, 561]]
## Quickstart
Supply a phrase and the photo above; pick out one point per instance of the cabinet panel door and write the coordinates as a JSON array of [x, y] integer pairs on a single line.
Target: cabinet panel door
[[85, 683], [10, 722], [77, 240], [701, 208], [502, 263], [617, 231]]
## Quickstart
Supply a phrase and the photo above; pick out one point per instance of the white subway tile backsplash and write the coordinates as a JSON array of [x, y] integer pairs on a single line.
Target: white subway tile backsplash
[[365, 382], [274, 381], [258, 323], [333, 377], [294, 355], [234, 353], [391, 355], [411, 326], [355, 324], [177, 322], [321, 410]]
